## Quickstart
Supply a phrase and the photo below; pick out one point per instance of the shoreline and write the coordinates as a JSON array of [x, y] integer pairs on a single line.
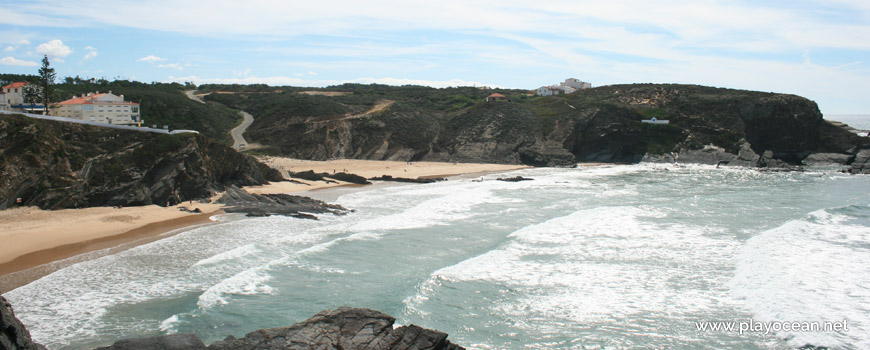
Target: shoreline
[[47, 241]]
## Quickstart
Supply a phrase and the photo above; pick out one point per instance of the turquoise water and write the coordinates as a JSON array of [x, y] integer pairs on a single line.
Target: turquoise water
[[605, 257]]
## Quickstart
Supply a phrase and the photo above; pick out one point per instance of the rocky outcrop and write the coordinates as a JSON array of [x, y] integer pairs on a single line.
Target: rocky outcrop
[[489, 132], [13, 334], [424, 180], [343, 328], [240, 201], [861, 163], [56, 165]]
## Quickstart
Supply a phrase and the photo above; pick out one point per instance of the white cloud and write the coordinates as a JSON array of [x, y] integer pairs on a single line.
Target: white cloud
[[92, 52], [12, 61], [54, 49], [151, 58], [23, 42], [9, 49], [171, 65]]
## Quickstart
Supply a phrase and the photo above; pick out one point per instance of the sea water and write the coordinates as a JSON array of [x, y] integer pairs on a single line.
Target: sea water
[[609, 257]]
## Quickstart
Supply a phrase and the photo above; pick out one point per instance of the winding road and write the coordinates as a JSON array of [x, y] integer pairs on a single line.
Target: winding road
[[239, 141]]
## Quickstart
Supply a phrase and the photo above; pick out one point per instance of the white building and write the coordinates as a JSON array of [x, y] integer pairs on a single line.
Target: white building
[[576, 84], [568, 86], [12, 99], [101, 108]]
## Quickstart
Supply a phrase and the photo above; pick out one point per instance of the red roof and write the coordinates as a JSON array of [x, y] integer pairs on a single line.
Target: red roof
[[89, 100], [16, 85], [496, 95]]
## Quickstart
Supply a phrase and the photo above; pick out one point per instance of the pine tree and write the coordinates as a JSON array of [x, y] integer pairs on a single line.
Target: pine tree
[[46, 80]]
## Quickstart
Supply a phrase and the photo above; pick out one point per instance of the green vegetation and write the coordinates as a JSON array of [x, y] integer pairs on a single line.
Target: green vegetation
[[161, 104]]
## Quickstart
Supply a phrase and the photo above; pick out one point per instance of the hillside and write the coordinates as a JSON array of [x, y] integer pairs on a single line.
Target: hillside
[[707, 125], [161, 103], [56, 165]]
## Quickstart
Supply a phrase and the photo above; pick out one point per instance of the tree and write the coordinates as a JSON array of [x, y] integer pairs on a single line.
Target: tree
[[46, 80], [31, 95]]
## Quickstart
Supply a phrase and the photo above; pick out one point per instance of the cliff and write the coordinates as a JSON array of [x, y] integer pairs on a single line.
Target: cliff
[[56, 165], [707, 125]]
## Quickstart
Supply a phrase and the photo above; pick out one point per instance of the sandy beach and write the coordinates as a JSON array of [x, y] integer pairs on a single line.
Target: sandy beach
[[34, 237]]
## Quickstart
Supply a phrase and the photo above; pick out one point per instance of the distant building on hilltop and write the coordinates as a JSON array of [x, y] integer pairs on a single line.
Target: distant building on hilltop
[[576, 84], [101, 108], [12, 99], [568, 86], [496, 97]]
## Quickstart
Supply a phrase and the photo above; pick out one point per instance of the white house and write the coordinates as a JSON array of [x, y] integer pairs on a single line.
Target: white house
[[568, 86], [101, 108], [13, 99], [576, 84]]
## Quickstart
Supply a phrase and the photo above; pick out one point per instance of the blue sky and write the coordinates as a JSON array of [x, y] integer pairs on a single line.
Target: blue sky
[[816, 49]]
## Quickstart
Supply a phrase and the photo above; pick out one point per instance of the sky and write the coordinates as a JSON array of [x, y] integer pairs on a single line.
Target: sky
[[816, 49]]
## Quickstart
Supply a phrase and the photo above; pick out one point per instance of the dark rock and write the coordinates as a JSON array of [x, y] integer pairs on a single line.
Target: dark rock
[[861, 164], [424, 180], [55, 165], [164, 342], [514, 179], [352, 178], [13, 334], [828, 159], [310, 175], [343, 328], [240, 201]]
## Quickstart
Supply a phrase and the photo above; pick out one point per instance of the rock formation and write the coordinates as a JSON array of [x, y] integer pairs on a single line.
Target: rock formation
[[239, 201], [13, 334], [343, 328], [55, 165]]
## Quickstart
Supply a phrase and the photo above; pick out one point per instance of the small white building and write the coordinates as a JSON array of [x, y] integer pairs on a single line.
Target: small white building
[[568, 86], [101, 108], [576, 84]]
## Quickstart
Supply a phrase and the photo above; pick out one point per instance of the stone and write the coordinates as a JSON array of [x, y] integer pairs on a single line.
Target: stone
[[13, 334]]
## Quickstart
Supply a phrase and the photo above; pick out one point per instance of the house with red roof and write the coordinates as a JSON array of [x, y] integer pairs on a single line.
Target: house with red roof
[[12, 99], [496, 97], [101, 108]]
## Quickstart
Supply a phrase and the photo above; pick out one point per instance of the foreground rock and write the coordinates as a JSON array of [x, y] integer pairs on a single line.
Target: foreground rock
[[13, 334], [240, 201], [344, 328]]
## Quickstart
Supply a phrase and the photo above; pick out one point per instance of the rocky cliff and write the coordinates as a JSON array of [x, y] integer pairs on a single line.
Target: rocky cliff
[[706, 125], [56, 165]]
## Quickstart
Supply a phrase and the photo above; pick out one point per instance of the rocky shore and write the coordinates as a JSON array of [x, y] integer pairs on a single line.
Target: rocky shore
[[342, 328]]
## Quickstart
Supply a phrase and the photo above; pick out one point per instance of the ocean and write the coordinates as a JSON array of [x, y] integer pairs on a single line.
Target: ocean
[[604, 257]]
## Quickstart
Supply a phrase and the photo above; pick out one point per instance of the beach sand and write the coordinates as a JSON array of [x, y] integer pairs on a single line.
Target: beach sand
[[33, 237]]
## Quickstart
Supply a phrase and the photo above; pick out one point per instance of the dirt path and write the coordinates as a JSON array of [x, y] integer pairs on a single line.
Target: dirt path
[[377, 108], [197, 98]]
